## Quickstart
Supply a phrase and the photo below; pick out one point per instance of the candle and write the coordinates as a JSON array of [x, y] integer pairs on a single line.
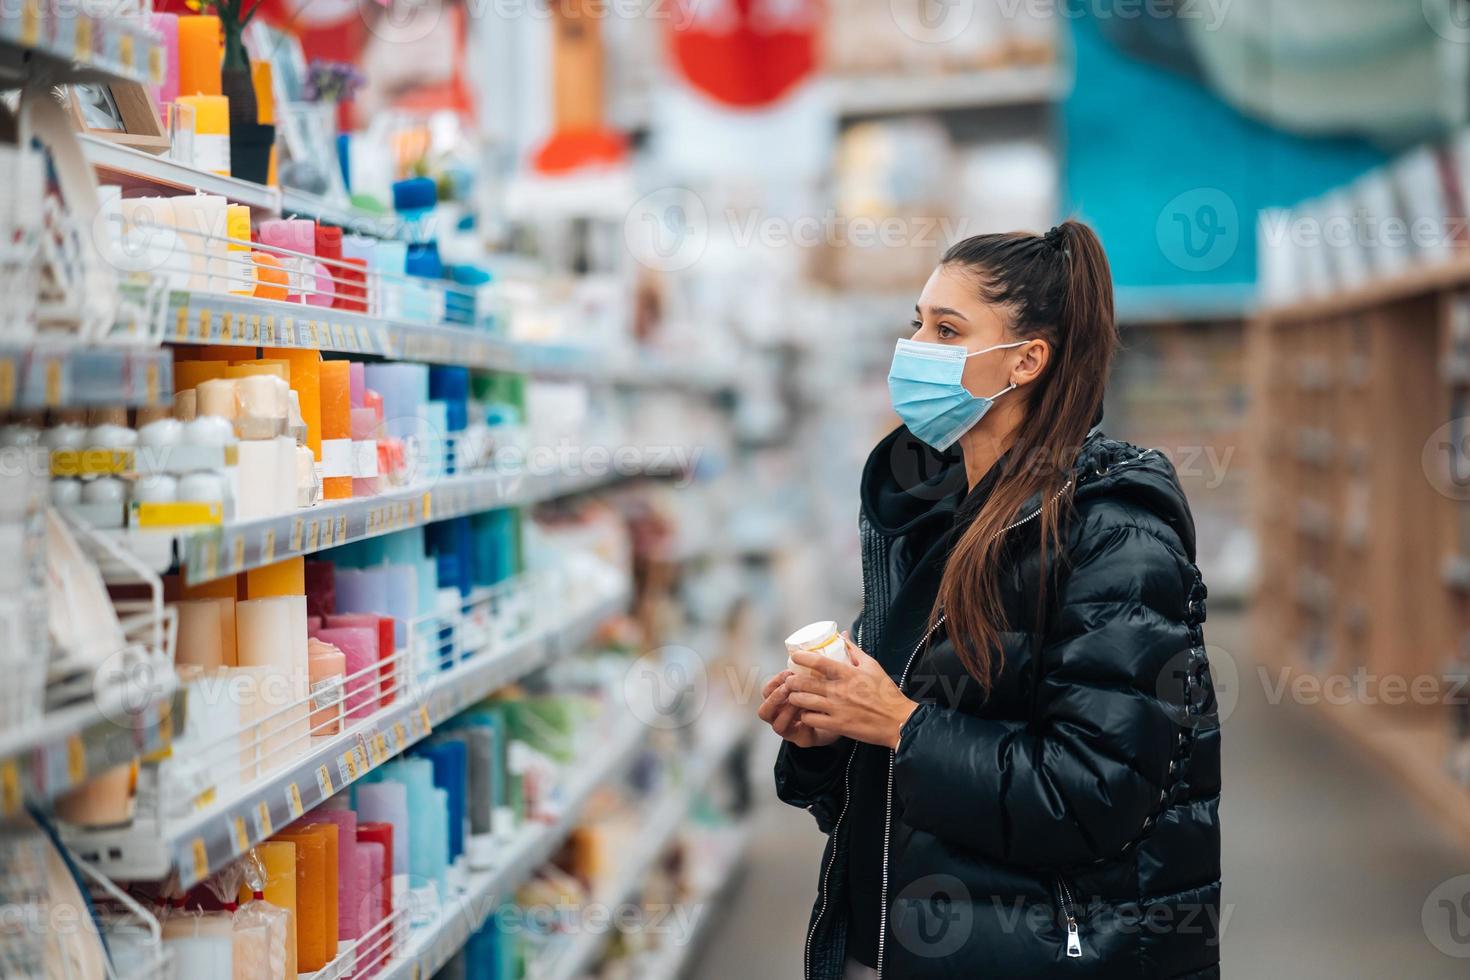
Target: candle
[[386, 629], [265, 94], [206, 636], [379, 836], [201, 54], [336, 422], [306, 381], [202, 944], [167, 28], [328, 668], [448, 758], [272, 635], [345, 823], [286, 577], [316, 894], [218, 397], [242, 271], [372, 889], [362, 590], [278, 859], [270, 278], [211, 130], [291, 235], [200, 222], [386, 804], [258, 461], [321, 588], [360, 648]]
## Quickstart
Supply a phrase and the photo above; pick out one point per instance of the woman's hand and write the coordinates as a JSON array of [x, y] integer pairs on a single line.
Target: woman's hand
[[782, 716], [858, 700]]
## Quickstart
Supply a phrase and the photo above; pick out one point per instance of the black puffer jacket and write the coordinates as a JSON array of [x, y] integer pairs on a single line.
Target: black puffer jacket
[[1084, 789]]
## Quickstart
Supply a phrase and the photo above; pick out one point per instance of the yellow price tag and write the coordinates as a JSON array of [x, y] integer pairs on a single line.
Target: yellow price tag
[[424, 718], [206, 320], [76, 760], [150, 382], [83, 52], [155, 64], [324, 781], [238, 835], [53, 382], [10, 798], [226, 325], [211, 559], [237, 553], [313, 536], [382, 744], [268, 546], [428, 505], [252, 328], [263, 827], [400, 734], [201, 858], [297, 526], [268, 330], [293, 801], [7, 382], [181, 323], [125, 51], [349, 760], [341, 528], [30, 23]]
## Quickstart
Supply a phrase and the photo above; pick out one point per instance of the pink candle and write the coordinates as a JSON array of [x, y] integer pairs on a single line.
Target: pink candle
[[360, 646], [385, 625], [371, 903], [167, 26]]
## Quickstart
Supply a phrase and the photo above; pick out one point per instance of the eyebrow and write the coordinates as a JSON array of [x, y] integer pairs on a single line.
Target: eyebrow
[[943, 311]]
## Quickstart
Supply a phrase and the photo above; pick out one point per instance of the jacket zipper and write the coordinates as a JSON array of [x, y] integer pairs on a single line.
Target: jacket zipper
[[827, 868], [1069, 916]]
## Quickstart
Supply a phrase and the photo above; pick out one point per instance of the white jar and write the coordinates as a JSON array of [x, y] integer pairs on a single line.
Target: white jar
[[821, 638]]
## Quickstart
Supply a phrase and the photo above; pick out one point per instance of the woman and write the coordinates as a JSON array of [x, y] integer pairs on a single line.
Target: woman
[[1019, 769]]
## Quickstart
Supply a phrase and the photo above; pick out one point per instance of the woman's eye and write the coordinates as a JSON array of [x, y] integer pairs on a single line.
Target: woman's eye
[[946, 333], [915, 326]]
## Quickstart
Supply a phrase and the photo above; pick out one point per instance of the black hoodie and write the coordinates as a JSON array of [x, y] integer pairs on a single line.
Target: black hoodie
[[1080, 792]]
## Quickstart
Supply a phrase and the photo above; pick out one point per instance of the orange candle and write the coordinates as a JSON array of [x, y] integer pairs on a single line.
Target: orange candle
[[285, 577], [278, 858], [201, 53], [265, 96], [336, 392], [306, 378], [313, 898], [270, 278]]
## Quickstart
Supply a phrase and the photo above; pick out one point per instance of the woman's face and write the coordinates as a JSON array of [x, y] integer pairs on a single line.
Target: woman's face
[[951, 312]]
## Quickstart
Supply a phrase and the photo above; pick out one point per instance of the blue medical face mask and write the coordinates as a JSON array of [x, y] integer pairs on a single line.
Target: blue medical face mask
[[924, 383]]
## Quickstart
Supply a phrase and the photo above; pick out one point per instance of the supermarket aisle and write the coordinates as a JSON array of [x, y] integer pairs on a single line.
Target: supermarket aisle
[[1326, 867]]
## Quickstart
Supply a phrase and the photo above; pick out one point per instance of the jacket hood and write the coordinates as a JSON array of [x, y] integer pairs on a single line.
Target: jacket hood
[[906, 484]]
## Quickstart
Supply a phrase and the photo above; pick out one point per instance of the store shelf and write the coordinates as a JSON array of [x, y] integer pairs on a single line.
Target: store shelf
[[872, 95], [300, 204], [60, 42], [65, 748], [134, 170], [240, 546], [431, 946], [1419, 281], [52, 374], [221, 830], [661, 823], [674, 960]]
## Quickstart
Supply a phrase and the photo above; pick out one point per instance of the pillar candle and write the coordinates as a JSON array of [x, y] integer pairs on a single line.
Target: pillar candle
[[306, 381], [370, 888], [211, 130], [202, 944], [201, 54], [379, 836], [291, 235], [265, 93], [428, 837], [328, 670], [386, 628], [200, 221], [385, 804], [480, 766], [241, 270], [271, 279], [449, 761], [217, 397], [189, 374], [348, 895], [166, 26], [259, 459], [283, 578], [321, 588], [278, 859], [357, 381], [336, 422], [288, 476], [272, 634], [314, 889], [359, 646], [254, 693], [252, 948], [200, 634], [362, 590], [403, 599]]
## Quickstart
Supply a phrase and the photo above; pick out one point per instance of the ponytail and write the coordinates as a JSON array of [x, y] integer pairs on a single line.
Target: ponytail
[[1058, 288]]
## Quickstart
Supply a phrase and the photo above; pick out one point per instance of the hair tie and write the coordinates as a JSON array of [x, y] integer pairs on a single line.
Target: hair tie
[[1053, 239]]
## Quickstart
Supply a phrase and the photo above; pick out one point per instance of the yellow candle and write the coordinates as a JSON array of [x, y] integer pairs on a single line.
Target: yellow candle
[[211, 132], [286, 577]]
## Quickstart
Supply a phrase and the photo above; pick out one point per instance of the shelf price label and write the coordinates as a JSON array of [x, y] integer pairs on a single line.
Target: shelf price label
[[293, 801], [125, 51], [298, 525], [238, 838], [83, 52], [324, 781], [347, 766], [424, 718], [206, 323], [313, 535], [30, 23], [252, 328], [342, 529], [237, 553], [181, 323], [400, 736], [7, 382], [53, 382], [226, 325], [262, 816], [199, 859], [10, 795], [155, 64], [268, 546], [381, 743], [76, 760]]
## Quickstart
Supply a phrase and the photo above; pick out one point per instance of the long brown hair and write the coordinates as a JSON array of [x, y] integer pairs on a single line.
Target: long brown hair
[[1057, 287]]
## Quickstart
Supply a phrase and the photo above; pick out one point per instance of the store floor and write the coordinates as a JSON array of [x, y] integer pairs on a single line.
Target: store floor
[[1326, 865]]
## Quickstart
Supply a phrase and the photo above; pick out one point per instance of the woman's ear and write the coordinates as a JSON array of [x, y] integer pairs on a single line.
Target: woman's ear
[[1031, 361]]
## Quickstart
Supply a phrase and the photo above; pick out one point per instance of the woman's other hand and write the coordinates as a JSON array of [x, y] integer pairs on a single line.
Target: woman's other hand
[[777, 712], [857, 700]]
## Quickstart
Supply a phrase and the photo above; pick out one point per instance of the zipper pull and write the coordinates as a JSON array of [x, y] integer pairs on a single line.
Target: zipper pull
[[1074, 940]]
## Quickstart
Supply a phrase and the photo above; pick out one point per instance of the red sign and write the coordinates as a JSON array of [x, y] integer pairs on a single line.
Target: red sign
[[745, 54]]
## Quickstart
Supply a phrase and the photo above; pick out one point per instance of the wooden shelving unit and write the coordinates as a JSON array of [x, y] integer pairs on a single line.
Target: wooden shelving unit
[[1358, 523]]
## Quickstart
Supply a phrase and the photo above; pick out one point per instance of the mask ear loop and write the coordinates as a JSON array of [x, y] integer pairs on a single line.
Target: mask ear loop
[[1002, 391], [987, 350]]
